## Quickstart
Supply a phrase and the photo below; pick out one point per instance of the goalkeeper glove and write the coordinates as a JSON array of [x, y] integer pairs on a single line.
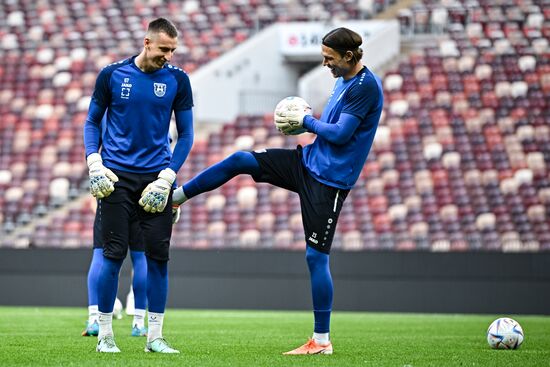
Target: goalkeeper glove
[[155, 196], [178, 198], [102, 179], [290, 122], [175, 213]]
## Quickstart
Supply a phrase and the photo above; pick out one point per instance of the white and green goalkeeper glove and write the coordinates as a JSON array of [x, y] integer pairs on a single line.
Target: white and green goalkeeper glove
[[155, 196], [290, 122], [176, 211], [178, 198], [102, 179]]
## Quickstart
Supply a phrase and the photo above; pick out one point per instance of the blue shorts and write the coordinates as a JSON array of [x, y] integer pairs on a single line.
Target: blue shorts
[[320, 204]]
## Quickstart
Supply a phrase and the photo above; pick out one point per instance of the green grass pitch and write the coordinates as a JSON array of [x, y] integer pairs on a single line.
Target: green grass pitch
[[51, 337]]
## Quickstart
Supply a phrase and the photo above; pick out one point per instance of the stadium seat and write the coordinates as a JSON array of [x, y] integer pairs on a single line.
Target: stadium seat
[[459, 160]]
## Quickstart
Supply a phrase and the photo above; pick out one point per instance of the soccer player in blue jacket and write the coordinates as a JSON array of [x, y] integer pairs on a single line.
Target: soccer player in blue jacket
[[135, 170], [322, 173]]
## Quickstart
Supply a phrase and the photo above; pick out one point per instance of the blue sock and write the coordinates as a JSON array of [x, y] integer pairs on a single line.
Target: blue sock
[[157, 285], [321, 288], [93, 275], [218, 174], [139, 282], [108, 284]]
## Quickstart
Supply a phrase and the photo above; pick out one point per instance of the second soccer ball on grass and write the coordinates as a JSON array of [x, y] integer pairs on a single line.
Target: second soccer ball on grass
[[505, 333]]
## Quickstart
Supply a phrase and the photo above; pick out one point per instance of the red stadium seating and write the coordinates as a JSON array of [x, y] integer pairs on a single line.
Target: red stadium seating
[[460, 161], [51, 55]]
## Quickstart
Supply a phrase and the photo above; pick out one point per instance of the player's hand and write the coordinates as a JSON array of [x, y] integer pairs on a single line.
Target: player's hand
[[175, 213], [290, 122], [178, 198], [291, 130], [102, 179], [155, 196]]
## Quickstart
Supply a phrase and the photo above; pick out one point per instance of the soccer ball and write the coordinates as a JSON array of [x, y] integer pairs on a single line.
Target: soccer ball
[[505, 333], [293, 103], [117, 309]]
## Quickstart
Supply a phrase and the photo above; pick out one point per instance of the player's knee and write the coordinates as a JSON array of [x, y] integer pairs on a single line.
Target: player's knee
[[159, 252], [310, 258], [242, 162], [315, 258], [158, 255], [138, 257], [115, 253], [237, 159]]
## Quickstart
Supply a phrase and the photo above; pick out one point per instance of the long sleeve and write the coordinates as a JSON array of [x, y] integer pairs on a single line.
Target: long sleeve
[[184, 125], [92, 128], [338, 133]]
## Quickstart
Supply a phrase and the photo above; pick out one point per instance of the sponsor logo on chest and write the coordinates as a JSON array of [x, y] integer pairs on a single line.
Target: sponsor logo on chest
[[125, 88]]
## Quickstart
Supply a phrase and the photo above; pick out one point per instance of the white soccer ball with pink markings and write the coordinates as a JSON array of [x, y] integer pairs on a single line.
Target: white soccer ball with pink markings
[[505, 333]]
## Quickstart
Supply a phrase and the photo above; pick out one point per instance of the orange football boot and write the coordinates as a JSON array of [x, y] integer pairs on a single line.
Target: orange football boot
[[311, 347]]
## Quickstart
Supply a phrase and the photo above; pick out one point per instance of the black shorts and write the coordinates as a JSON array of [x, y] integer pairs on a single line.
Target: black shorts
[[320, 203], [121, 208], [137, 243]]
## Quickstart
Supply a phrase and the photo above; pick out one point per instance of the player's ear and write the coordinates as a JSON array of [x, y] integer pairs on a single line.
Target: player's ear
[[348, 56]]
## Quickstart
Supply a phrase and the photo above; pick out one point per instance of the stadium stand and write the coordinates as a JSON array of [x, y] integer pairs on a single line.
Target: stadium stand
[[460, 161], [52, 51]]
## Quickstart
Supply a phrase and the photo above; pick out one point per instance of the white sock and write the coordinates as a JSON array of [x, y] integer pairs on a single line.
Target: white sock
[[105, 324], [155, 326], [178, 197], [92, 314], [139, 318], [321, 338]]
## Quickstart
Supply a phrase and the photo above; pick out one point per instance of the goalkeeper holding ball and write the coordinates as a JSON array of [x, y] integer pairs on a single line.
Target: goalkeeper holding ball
[[321, 173], [135, 171]]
